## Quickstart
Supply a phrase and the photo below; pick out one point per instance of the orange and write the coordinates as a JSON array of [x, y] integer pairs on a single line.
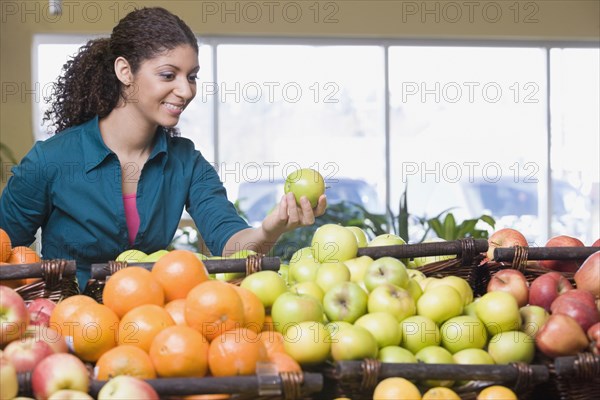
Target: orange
[[269, 325], [5, 246], [236, 352], [214, 307], [179, 351], [131, 287], [284, 362], [94, 332], [124, 360], [496, 392], [273, 341], [23, 255], [64, 310], [396, 388], [176, 308], [178, 272], [139, 326], [254, 310]]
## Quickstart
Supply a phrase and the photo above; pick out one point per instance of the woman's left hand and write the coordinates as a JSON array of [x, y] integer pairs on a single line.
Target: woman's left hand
[[288, 215]]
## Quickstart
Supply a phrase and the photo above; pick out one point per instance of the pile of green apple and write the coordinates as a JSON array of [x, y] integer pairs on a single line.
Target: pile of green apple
[[335, 305]]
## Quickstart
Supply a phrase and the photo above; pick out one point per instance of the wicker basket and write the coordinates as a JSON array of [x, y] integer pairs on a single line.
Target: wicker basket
[[358, 379], [251, 264], [54, 279]]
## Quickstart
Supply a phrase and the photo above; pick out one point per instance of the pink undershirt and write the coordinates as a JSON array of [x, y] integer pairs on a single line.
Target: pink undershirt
[[131, 216]]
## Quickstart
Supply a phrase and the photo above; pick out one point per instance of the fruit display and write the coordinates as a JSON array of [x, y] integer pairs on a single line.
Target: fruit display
[[330, 307]]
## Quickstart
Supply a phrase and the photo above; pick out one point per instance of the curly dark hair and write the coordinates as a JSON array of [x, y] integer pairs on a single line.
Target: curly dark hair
[[88, 85]]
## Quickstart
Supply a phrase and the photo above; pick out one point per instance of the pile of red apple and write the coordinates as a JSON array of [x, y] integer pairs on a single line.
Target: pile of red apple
[[30, 345]]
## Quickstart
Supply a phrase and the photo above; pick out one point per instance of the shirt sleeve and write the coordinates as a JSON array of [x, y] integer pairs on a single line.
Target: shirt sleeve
[[24, 202], [214, 215]]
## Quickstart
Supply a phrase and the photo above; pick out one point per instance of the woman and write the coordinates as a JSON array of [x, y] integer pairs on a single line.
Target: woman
[[116, 175]]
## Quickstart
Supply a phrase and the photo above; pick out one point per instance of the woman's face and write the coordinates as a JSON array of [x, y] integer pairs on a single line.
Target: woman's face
[[164, 85]]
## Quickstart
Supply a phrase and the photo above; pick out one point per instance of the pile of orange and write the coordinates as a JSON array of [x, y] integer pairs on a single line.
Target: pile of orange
[[172, 321], [16, 255]]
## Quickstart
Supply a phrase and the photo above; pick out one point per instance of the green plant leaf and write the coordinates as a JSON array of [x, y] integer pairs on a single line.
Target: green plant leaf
[[449, 227]]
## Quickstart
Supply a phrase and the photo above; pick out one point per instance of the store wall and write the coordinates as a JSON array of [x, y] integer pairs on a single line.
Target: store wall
[[493, 20]]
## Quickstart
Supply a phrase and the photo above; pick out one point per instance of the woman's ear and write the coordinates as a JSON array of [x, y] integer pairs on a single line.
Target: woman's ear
[[123, 71]]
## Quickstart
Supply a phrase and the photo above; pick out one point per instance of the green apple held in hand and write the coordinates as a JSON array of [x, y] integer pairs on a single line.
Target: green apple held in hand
[[499, 312], [353, 343], [305, 182], [345, 301], [292, 308], [333, 243], [386, 270]]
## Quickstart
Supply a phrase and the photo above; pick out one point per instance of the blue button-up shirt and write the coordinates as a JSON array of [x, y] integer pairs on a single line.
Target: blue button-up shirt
[[70, 186]]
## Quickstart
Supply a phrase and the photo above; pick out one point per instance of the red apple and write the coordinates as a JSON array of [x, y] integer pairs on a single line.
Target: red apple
[[585, 315], [506, 237], [59, 371], [14, 317], [593, 333], [587, 276], [127, 387], [40, 310], [546, 288], [49, 335], [562, 265], [511, 281], [561, 336], [580, 295], [596, 243], [26, 353]]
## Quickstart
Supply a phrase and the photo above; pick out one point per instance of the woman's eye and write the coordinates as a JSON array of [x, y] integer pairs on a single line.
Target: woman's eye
[[193, 78], [167, 75]]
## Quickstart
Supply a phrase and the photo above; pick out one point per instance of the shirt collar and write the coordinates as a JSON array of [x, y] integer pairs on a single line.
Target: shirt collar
[[95, 150]]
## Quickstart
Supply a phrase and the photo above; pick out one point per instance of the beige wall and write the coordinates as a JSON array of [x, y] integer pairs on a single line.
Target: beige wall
[[461, 19]]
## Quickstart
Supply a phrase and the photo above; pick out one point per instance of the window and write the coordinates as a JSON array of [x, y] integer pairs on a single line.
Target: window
[[481, 129]]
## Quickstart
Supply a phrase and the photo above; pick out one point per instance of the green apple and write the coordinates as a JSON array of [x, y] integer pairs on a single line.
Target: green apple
[[414, 289], [334, 243], [334, 327], [425, 282], [201, 256], [284, 271], [396, 354], [292, 308], [472, 357], [440, 303], [9, 383], [345, 301], [383, 326], [386, 239], [307, 342], [310, 288], [240, 254], [532, 319], [392, 299], [303, 270], [386, 270], [267, 285], [511, 346], [420, 261], [358, 267], [361, 236], [461, 285], [463, 332], [353, 343], [305, 182], [419, 332], [499, 312], [154, 257], [416, 275], [330, 274], [131, 255], [301, 253], [435, 355]]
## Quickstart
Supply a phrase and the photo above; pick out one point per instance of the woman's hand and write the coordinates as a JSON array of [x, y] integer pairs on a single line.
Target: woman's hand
[[288, 215]]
